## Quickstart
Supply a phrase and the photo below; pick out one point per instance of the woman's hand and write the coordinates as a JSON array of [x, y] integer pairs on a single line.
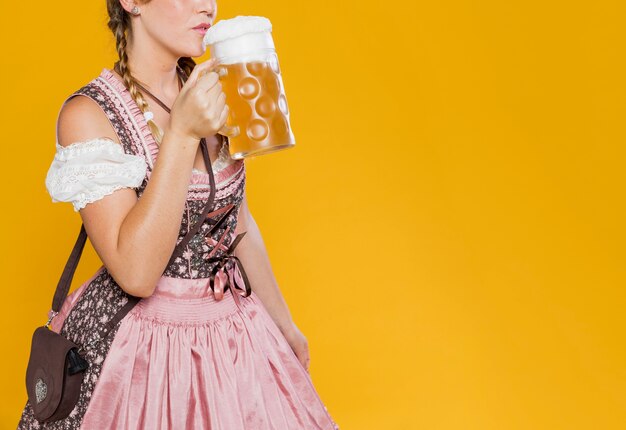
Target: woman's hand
[[299, 344], [200, 108]]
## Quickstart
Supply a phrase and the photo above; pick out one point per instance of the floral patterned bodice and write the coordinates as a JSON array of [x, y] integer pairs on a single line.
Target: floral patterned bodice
[[134, 134]]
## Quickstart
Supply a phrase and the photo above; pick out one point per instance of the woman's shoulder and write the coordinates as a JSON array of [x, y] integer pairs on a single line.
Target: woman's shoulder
[[99, 111], [87, 112], [80, 118]]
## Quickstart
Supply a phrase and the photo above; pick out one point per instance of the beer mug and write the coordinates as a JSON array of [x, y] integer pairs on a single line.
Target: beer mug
[[246, 61]]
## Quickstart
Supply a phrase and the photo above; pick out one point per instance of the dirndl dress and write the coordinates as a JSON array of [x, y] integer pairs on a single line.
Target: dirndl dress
[[181, 359]]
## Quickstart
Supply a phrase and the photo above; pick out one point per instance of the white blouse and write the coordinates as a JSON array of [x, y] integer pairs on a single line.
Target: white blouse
[[86, 171]]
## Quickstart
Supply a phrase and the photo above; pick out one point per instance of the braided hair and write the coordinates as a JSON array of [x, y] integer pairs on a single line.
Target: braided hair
[[119, 24]]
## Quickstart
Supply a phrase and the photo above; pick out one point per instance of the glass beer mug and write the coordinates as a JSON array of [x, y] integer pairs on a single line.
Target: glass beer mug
[[246, 61]]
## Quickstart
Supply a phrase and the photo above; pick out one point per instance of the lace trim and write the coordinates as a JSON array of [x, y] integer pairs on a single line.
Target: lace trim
[[75, 149], [86, 171], [223, 160], [97, 195]]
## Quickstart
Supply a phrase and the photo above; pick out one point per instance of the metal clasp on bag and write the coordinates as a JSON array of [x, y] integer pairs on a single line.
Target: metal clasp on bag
[[54, 314]]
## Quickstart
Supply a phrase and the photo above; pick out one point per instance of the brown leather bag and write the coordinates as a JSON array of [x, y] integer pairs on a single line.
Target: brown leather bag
[[56, 366]]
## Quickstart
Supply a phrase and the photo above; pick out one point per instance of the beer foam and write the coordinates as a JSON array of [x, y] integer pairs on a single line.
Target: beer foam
[[235, 27], [241, 39]]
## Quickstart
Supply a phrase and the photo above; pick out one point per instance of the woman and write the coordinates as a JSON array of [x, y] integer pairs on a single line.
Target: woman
[[193, 353]]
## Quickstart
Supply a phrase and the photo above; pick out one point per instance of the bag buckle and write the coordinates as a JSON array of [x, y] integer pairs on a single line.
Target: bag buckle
[[54, 314]]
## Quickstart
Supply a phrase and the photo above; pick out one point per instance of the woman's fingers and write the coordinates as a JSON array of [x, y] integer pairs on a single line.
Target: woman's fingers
[[199, 70]]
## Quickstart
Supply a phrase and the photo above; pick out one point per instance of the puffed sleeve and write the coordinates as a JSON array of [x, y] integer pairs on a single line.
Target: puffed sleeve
[[86, 171]]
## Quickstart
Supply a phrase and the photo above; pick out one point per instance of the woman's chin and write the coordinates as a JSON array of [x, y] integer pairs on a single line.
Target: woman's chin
[[198, 50], [193, 50]]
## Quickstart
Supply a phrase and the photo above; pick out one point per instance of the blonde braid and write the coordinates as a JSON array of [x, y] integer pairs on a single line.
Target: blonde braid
[[119, 24]]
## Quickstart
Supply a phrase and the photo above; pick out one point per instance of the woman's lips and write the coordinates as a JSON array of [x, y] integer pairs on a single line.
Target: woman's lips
[[202, 31]]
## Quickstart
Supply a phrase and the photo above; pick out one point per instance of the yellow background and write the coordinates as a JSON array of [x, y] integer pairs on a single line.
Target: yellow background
[[448, 230]]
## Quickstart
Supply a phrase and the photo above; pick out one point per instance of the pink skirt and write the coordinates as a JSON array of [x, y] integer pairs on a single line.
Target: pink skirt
[[183, 360]]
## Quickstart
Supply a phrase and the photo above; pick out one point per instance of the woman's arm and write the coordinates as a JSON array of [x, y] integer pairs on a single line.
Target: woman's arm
[[133, 237], [253, 255]]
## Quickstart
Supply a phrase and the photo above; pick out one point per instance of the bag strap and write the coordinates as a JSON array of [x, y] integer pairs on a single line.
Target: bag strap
[[65, 281]]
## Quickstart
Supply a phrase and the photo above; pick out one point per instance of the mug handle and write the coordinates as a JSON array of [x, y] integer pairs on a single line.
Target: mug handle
[[226, 130]]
